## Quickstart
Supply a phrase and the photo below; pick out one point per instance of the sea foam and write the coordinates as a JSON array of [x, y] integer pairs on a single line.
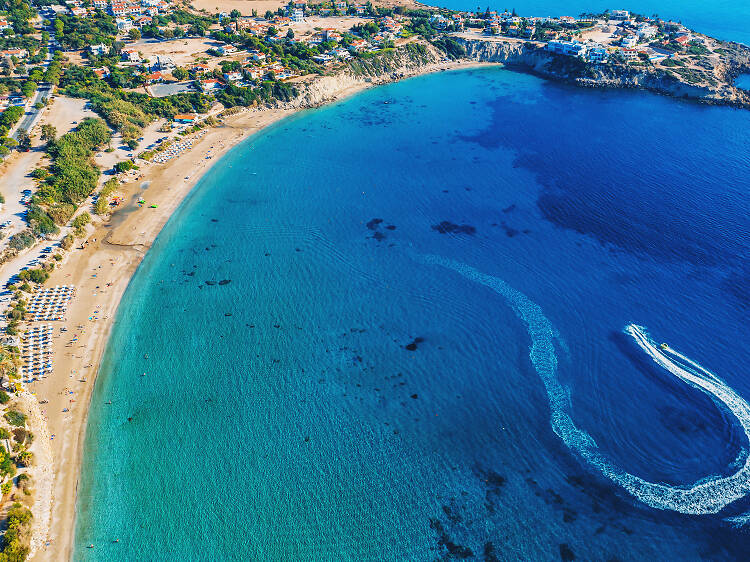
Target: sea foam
[[708, 495]]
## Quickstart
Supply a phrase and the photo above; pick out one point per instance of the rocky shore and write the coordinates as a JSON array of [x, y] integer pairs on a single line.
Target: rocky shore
[[712, 84]]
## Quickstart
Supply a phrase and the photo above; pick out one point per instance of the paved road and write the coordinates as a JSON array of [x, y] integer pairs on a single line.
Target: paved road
[[45, 91], [31, 116]]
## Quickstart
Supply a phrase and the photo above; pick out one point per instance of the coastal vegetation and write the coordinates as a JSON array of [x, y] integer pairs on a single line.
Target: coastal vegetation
[[78, 33], [15, 547], [8, 118], [22, 240], [127, 112], [186, 24], [79, 223], [15, 418], [38, 275], [101, 207]]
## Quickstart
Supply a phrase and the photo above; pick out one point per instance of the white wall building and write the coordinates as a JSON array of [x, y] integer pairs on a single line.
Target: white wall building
[[123, 24], [99, 50]]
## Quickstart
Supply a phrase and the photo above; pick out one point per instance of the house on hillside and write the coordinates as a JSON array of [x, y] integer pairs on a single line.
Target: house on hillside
[[597, 54], [154, 78], [226, 49], [130, 55], [629, 54], [232, 76], [123, 24], [99, 49], [210, 85], [255, 73], [102, 72], [119, 9], [323, 58]]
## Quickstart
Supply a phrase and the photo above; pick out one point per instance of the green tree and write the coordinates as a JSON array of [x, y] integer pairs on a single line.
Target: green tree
[[134, 34], [28, 88], [180, 73], [24, 140], [24, 458], [49, 132], [124, 166]]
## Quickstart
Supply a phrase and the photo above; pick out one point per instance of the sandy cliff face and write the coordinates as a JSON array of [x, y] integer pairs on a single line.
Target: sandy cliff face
[[507, 53], [408, 60]]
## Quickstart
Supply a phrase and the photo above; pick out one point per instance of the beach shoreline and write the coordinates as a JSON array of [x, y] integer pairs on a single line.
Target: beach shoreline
[[101, 269]]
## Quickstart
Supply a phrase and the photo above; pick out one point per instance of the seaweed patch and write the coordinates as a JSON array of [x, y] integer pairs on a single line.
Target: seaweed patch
[[413, 345], [447, 227]]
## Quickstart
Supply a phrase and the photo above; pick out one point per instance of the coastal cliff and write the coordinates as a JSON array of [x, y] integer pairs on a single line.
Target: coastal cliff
[[712, 85], [407, 60]]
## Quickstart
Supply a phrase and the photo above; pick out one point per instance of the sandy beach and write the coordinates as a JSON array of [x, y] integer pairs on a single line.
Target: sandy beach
[[101, 268]]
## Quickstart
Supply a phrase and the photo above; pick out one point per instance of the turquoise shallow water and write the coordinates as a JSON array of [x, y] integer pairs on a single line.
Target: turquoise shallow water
[[366, 385]]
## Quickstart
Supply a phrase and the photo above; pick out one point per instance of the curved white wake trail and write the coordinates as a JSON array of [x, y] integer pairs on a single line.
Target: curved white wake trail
[[709, 495]]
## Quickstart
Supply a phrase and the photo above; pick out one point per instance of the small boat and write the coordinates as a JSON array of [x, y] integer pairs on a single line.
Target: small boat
[[664, 346], [153, 206]]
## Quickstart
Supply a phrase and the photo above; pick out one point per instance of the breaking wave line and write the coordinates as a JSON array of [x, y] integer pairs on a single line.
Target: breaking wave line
[[709, 495]]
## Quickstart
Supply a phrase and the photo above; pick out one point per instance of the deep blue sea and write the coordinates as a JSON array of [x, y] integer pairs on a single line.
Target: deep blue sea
[[393, 328], [743, 81]]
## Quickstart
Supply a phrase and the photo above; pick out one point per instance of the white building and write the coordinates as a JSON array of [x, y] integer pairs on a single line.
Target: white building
[[629, 41], [629, 54], [323, 58], [130, 55], [254, 73], [123, 24], [226, 49], [620, 14], [570, 48], [646, 31], [99, 50], [597, 54], [297, 16]]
